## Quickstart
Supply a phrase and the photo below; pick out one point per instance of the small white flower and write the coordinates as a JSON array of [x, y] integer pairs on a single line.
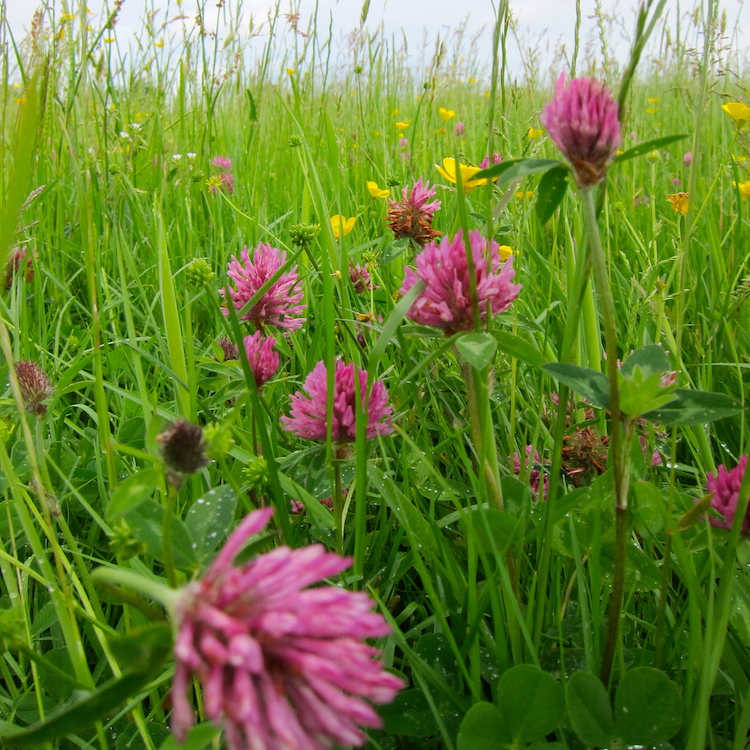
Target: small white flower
[[135, 126], [124, 135], [176, 157], [191, 155]]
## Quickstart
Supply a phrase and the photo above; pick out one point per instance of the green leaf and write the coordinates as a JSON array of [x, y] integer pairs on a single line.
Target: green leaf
[[210, 517], [694, 407], [146, 525], [531, 703], [651, 359], [644, 148], [482, 729], [522, 349], [199, 737], [497, 533], [399, 247], [648, 707], [98, 705], [252, 110], [589, 709], [136, 489], [409, 714], [650, 508], [477, 349], [590, 384], [140, 649], [551, 191], [515, 169]]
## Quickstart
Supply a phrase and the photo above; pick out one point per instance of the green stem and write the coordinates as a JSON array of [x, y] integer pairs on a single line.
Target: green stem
[[166, 535], [619, 448]]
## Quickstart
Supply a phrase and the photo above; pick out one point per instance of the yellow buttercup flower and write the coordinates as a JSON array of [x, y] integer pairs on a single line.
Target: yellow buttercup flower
[[738, 111], [402, 125], [448, 170], [505, 251], [472, 80], [744, 188], [375, 191], [737, 159], [652, 99], [342, 225], [158, 44], [525, 194], [290, 71], [534, 132], [680, 202], [650, 110], [446, 114], [395, 112]]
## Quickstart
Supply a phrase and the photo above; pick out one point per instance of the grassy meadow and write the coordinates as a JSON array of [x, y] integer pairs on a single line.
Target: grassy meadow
[[484, 526]]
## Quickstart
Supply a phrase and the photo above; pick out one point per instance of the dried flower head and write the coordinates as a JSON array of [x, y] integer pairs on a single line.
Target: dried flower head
[[228, 348], [412, 216], [35, 386], [446, 301], [282, 665], [278, 305], [308, 417], [725, 486], [582, 120], [183, 448], [261, 356], [585, 455]]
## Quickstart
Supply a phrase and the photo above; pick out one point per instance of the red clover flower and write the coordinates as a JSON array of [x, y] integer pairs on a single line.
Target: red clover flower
[[582, 120], [725, 486], [282, 665], [446, 301], [263, 360], [280, 303], [309, 414]]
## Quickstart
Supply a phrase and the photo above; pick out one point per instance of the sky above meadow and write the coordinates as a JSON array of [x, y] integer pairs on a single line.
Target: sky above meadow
[[543, 24]]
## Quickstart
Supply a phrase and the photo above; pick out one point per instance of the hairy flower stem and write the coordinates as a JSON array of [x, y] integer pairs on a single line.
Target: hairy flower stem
[[166, 535], [620, 447], [338, 501]]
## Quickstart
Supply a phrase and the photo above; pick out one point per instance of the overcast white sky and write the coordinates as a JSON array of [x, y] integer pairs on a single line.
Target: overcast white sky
[[543, 24]]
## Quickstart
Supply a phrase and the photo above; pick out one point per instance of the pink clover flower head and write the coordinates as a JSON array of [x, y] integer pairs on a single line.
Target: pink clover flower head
[[280, 303], [34, 385], [687, 160], [582, 120], [535, 477], [261, 356], [446, 301], [20, 265], [726, 488], [360, 278], [222, 162], [485, 163], [460, 129], [309, 414], [282, 665]]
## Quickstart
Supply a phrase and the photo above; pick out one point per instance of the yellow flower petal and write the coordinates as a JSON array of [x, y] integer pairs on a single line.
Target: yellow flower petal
[[505, 251], [375, 191], [738, 111], [534, 132], [402, 125], [446, 114], [744, 188], [341, 225], [448, 170], [680, 202]]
